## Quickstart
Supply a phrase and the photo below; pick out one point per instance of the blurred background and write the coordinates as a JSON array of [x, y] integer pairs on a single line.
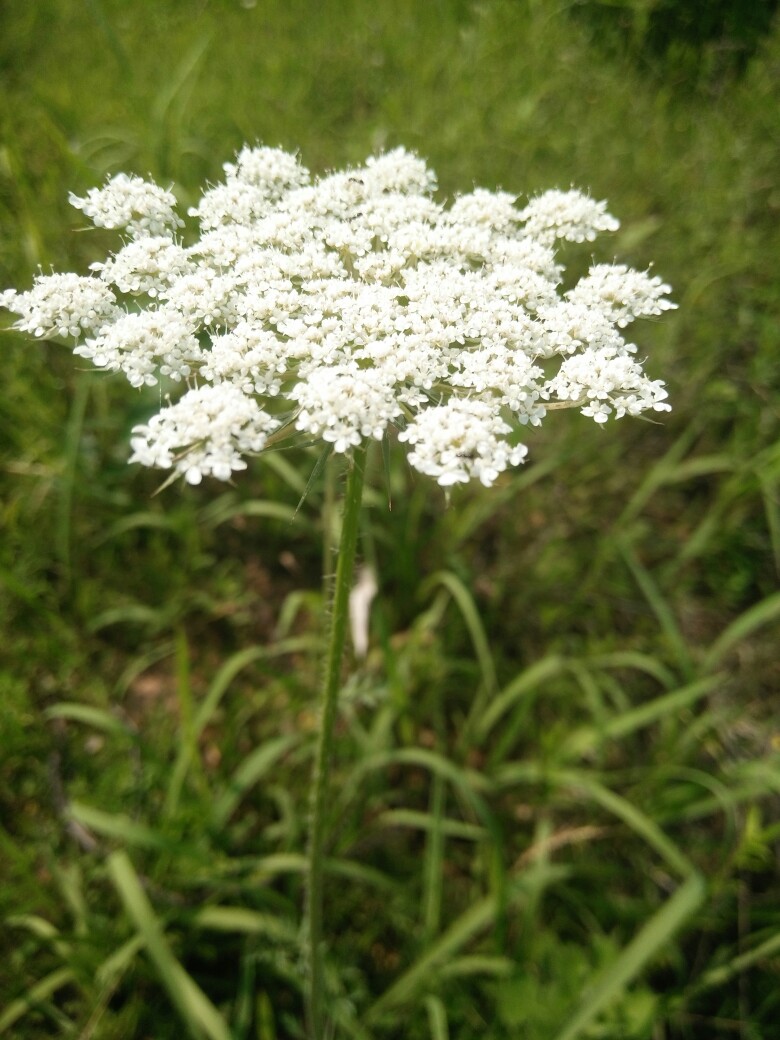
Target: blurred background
[[594, 852]]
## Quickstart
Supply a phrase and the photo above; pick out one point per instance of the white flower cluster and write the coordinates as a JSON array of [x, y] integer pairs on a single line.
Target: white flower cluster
[[344, 306], [206, 433], [64, 305], [131, 203]]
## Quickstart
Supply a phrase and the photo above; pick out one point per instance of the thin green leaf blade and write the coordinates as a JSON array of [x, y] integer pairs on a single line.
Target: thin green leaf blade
[[196, 1010], [768, 610], [252, 769], [90, 716], [642, 948], [36, 994]]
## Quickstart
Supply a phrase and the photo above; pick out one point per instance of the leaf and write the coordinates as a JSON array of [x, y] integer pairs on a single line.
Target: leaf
[[36, 994], [252, 769], [318, 467], [522, 684], [659, 606], [438, 956], [437, 1017], [90, 716], [219, 686], [118, 826], [633, 817], [584, 740], [433, 861], [614, 979], [468, 609], [753, 618], [248, 922], [196, 1010]]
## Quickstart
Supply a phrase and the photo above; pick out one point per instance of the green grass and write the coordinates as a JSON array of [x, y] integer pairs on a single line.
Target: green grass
[[559, 767]]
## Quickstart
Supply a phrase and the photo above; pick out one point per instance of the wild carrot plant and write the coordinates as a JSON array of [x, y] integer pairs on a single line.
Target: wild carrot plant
[[348, 309]]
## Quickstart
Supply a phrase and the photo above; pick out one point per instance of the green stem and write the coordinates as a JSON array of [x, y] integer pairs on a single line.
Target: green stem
[[315, 1011]]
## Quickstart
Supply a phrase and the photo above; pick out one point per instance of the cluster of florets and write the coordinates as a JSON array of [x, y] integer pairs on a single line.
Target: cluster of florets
[[346, 306]]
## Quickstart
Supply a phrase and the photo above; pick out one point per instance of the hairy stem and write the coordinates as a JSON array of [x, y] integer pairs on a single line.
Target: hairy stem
[[339, 617]]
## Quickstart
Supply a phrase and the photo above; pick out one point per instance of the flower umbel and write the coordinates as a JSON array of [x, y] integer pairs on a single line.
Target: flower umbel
[[341, 306]]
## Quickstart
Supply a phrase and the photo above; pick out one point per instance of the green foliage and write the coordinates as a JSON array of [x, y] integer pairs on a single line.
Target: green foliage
[[558, 767], [691, 43]]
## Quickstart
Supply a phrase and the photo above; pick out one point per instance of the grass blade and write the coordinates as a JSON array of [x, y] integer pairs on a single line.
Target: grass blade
[[68, 478], [196, 1010], [252, 769], [116, 965], [534, 773], [772, 512], [118, 826], [35, 995], [247, 922], [470, 923], [467, 520], [235, 664], [424, 822], [723, 972], [527, 681], [433, 861], [650, 939], [659, 607], [662, 473], [90, 716], [437, 1017], [478, 964], [634, 818], [635, 661], [257, 508], [754, 617], [188, 738], [42, 929], [583, 741], [219, 686], [468, 609]]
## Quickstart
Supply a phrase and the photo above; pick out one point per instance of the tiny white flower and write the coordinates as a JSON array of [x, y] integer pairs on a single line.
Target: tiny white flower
[[570, 215], [206, 433], [272, 170], [345, 406], [65, 305], [139, 206], [604, 379], [460, 441], [621, 293], [146, 265], [143, 344], [481, 208], [399, 171]]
